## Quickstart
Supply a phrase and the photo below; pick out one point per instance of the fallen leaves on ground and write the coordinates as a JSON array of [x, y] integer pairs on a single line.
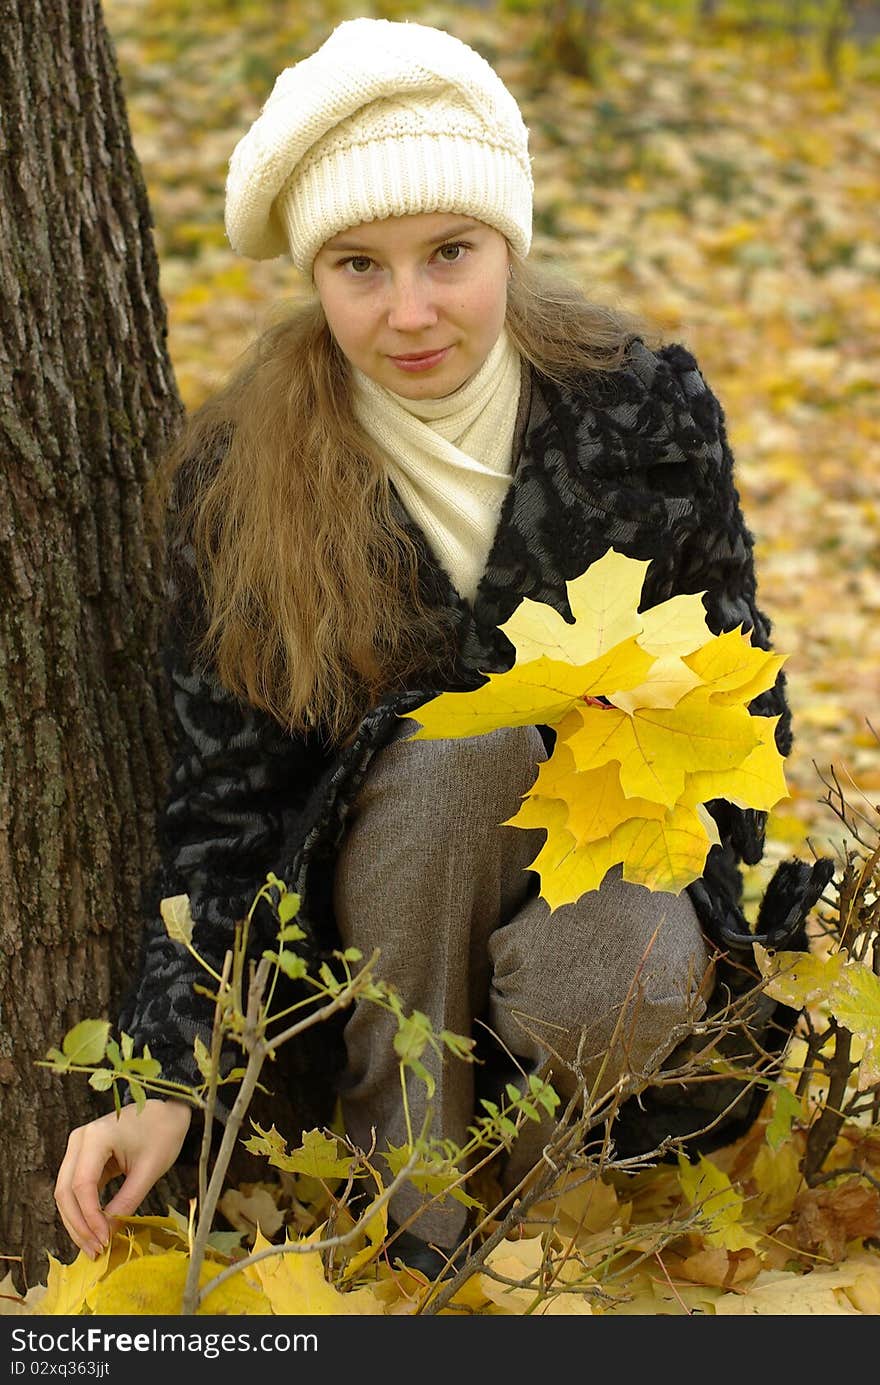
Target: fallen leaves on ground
[[737, 1233]]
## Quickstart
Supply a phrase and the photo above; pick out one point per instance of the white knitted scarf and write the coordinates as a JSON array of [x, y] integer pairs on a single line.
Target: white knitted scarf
[[450, 459]]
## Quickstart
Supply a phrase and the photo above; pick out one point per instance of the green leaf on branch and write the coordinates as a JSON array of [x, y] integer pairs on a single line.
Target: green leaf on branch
[[101, 1079], [786, 1110], [429, 1174], [203, 1058], [413, 1034], [137, 1091], [86, 1042], [290, 963], [288, 908], [458, 1044]]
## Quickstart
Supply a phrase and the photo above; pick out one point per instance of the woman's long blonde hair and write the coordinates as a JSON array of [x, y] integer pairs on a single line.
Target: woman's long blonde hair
[[310, 605]]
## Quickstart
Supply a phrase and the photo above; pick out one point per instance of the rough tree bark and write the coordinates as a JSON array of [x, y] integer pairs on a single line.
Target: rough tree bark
[[87, 403]]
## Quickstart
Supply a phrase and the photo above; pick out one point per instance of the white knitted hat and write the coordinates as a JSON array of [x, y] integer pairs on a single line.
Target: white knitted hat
[[385, 119]]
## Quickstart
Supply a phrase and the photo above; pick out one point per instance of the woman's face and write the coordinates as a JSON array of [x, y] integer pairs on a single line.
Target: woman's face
[[407, 285]]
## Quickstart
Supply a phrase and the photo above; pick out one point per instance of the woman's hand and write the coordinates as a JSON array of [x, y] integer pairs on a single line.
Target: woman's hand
[[139, 1144]]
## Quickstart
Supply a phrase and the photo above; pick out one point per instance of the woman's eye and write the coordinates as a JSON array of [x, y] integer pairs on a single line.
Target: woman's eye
[[453, 245]]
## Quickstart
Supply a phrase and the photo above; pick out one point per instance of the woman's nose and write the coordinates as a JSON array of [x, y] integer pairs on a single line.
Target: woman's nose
[[410, 304]]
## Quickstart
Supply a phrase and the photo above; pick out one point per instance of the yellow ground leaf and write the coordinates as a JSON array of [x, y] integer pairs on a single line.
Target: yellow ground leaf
[[826, 1219], [294, 1284], [799, 979], [717, 1266], [864, 1290], [568, 1304], [248, 1209], [582, 1211], [720, 1205], [68, 1285], [522, 1260], [650, 1294], [153, 1285], [781, 1293], [778, 1177]]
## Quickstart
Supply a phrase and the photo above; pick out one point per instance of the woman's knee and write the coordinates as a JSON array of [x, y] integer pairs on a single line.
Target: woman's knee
[[622, 967]]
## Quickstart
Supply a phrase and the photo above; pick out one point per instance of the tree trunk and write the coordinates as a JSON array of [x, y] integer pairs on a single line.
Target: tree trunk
[[88, 403]]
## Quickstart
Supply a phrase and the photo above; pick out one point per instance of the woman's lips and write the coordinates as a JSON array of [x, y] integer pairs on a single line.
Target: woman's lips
[[420, 362]]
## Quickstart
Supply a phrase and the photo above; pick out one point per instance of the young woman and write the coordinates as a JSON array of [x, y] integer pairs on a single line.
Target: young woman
[[440, 430]]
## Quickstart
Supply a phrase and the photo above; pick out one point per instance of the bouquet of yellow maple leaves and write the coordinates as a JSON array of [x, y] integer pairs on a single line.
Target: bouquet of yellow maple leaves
[[652, 722]]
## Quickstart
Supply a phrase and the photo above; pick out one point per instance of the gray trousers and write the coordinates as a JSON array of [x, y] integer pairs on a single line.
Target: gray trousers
[[427, 875]]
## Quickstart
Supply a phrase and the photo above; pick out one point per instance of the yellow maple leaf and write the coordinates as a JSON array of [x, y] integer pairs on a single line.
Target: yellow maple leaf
[[604, 602], [710, 1190], [668, 681], [822, 1292], [68, 1285], [153, 1285], [594, 799], [657, 747], [651, 724], [759, 782], [734, 669], [568, 869], [539, 692], [675, 627], [778, 1178], [669, 854], [799, 979], [295, 1284]]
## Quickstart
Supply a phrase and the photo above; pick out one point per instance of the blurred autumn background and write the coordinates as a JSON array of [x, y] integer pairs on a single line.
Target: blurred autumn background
[[714, 165]]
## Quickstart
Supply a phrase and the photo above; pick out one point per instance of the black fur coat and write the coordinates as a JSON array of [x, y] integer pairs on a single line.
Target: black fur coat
[[637, 460]]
